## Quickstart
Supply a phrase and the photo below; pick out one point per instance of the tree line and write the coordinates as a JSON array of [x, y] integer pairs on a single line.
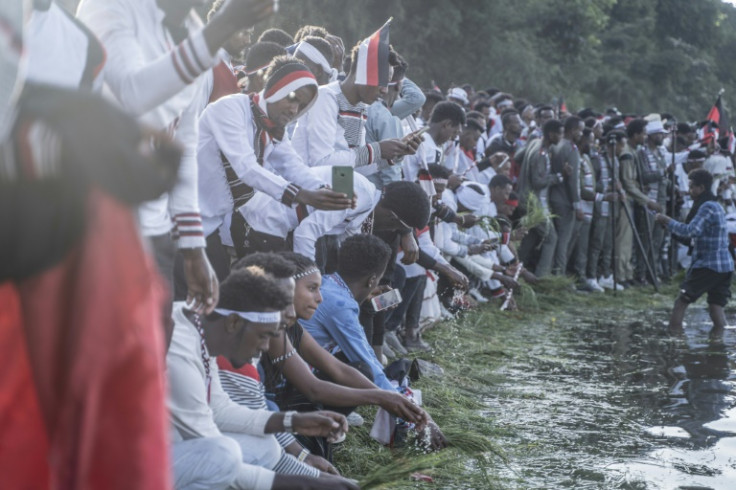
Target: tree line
[[639, 55]]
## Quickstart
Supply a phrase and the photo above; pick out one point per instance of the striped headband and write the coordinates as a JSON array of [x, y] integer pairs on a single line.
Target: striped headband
[[253, 316], [287, 79], [254, 71], [313, 55], [371, 67], [305, 273]]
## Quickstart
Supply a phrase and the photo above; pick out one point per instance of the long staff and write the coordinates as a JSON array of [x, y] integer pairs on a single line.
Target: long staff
[[639, 244], [614, 183], [673, 202]]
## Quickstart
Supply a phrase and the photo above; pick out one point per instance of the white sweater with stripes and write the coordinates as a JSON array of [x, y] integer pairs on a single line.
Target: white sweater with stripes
[[157, 81]]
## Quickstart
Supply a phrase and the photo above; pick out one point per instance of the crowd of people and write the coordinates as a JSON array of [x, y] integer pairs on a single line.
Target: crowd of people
[[207, 231]]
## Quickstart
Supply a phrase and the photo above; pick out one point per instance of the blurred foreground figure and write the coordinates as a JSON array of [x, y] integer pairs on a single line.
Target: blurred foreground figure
[[82, 397]]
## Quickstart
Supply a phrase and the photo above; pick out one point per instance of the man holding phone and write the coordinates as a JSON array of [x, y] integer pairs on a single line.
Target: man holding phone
[[402, 99], [335, 324], [243, 148], [333, 132]]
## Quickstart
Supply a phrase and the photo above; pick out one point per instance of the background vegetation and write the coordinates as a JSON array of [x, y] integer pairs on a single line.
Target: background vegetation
[[640, 55]]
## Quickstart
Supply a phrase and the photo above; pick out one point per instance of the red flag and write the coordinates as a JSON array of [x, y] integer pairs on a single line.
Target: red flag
[[563, 106], [718, 121], [372, 59]]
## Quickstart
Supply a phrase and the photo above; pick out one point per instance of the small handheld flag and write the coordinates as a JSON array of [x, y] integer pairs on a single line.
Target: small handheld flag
[[372, 59]]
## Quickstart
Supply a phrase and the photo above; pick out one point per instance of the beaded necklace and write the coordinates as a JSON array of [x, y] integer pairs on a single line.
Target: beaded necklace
[[197, 321]]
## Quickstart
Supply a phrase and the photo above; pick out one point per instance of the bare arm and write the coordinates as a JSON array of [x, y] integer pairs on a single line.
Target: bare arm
[[298, 373]]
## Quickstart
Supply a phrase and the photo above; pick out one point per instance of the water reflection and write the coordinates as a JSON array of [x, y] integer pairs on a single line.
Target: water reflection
[[621, 405]]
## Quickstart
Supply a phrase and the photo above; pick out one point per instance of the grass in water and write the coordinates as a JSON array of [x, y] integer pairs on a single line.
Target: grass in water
[[471, 350]]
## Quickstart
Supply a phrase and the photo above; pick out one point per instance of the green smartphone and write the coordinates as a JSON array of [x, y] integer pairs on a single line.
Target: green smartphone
[[342, 180]]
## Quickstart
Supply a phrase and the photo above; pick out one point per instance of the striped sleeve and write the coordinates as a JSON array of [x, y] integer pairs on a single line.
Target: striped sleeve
[[285, 439], [187, 230], [243, 390], [191, 58], [368, 154], [140, 81]]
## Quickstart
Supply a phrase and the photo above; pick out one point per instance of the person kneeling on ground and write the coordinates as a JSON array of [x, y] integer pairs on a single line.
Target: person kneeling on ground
[[216, 442], [335, 324]]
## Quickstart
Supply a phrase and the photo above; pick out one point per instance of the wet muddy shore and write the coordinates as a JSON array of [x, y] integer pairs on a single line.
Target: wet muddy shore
[[578, 391]]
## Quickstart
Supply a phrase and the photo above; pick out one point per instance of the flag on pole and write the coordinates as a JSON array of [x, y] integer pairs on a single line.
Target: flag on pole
[[718, 121], [563, 106], [372, 59]]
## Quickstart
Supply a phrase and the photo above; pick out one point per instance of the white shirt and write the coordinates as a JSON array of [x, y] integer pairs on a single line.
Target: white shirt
[[191, 415], [426, 245], [157, 81], [451, 150], [320, 139], [57, 48], [427, 154], [227, 126], [266, 216], [444, 232]]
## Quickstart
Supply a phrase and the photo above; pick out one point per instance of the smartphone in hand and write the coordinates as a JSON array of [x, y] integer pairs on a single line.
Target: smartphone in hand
[[386, 300], [342, 180]]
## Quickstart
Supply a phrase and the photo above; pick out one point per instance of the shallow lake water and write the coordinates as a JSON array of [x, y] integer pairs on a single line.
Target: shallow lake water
[[612, 401]]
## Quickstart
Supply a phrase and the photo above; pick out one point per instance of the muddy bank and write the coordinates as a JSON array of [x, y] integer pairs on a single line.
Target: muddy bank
[[588, 391]]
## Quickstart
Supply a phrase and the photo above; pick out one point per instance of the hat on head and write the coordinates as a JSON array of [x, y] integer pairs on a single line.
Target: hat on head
[[459, 94], [472, 195], [371, 64], [655, 127], [289, 78]]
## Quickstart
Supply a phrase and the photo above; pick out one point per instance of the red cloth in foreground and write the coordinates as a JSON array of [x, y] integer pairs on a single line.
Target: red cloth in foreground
[[23, 441], [93, 336]]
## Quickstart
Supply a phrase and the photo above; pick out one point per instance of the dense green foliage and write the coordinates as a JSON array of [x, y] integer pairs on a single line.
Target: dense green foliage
[[640, 55]]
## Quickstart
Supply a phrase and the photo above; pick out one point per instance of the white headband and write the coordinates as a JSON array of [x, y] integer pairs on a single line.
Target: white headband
[[253, 316], [315, 56], [305, 273], [440, 181], [471, 198]]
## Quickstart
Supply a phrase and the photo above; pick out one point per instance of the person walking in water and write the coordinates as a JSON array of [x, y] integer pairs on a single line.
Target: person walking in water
[[705, 232]]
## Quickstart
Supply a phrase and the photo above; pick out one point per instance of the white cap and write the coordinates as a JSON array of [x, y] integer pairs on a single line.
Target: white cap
[[655, 127], [459, 94]]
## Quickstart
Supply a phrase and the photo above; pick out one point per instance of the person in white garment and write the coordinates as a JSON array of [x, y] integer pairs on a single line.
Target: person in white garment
[[156, 51], [218, 443], [263, 216], [268, 225], [445, 123], [333, 131], [61, 50], [243, 148]]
